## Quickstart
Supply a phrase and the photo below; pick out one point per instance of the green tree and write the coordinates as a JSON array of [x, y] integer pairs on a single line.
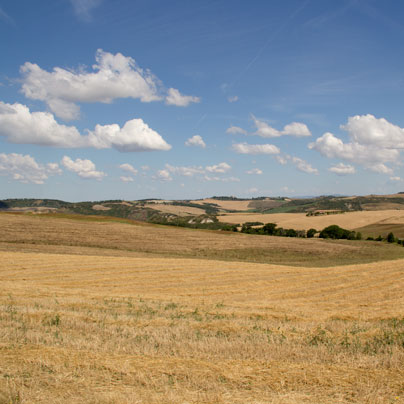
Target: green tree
[[391, 238], [269, 229], [311, 233]]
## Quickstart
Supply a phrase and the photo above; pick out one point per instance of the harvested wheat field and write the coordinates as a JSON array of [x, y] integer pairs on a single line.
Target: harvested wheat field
[[226, 205], [175, 209], [93, 235], [93, 329], [348, 220], [88, 317]]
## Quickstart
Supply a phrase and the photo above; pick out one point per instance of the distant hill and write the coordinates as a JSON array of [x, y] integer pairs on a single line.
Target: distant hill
[[203, 213]]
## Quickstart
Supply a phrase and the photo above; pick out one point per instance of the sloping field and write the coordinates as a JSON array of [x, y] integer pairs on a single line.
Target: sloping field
[[176, 210], [226, 205], [90, 329], [109, 236], [348, 220]]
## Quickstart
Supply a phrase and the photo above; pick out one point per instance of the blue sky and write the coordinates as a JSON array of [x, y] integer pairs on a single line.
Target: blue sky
[[183, 99]]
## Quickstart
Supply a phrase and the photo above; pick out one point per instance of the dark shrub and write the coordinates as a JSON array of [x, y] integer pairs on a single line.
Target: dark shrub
[[311, 233], [391, 238], [269, 229], [336, 232]]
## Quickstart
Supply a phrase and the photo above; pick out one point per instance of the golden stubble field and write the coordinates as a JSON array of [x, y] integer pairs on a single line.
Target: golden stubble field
[[348, 220], [92, 324]]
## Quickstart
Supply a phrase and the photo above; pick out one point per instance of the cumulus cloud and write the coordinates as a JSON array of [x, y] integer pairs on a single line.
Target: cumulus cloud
[[235, 130], [19, 125], [233, 98], [129, 168], [342, 169], [195, 141], [370, 156], [112, 77], [164, 175], [395, 178], [245, 148], [83, 168], [296, 129], [25, 169], [219, 168], [174, 97], [256, 171], [134, 136], [126, 179], [374, 142], [368, 130]]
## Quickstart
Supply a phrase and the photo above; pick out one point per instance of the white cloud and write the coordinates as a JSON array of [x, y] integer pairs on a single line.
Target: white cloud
[[164, 175], [203, 172], [381, 168], [219, 168], [185, 171], [53, 168], [256, 171], [126, 179], [373, 143], [222, 179], [299, 163], [195, 141], [145, 168], [395, 178], [82, 8], [174, 97], [370, 156], [129, 168], [112, 77], [368, 130], [342, 169], [244, 148], [25, 169], [252, 190], [234, 98], [283, 160], [134, 136], [235, 130], [19, 125], [83, 168], [296, 129], [303, 166]]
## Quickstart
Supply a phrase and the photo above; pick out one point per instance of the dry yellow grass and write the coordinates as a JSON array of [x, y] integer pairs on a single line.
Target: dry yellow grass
[[227, 205], [348, 220], [176, 210], [92, 329], [58, 233]]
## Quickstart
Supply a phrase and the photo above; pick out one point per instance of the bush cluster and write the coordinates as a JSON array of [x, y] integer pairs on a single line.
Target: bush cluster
[[271, 229]]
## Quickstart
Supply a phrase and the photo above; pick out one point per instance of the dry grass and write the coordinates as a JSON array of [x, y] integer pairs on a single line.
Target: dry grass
[[227, 205], [94, 235], [348, 220], [176, 210], [90, 329]]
